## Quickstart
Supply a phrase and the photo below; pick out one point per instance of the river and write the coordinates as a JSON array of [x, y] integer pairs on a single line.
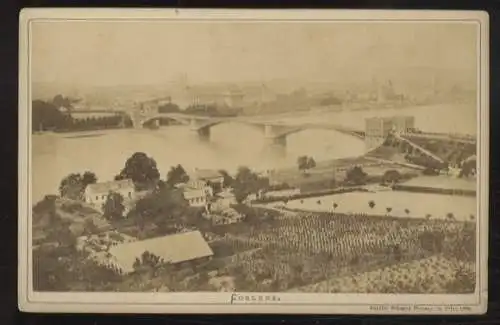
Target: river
[[231, 145]]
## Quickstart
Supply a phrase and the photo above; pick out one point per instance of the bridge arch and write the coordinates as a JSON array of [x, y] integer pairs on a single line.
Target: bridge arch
[[142, 122]]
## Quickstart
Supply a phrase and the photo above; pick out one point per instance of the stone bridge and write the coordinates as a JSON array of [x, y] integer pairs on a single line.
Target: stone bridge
[[274, 132]]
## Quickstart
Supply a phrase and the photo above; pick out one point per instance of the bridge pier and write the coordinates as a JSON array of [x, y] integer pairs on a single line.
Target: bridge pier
[[275, 146]]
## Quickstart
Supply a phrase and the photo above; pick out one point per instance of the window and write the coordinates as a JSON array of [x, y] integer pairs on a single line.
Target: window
[[129, 195], [97, 198]]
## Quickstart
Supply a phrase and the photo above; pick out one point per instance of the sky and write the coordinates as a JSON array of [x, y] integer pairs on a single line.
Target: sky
[[117, 53]]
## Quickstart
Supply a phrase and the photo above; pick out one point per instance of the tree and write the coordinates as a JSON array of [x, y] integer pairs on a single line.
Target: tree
[[407, 211], [240, 194], [311, 163], [335, 206], [163, 204], [228, 180], [46, 116], [371, 204], [388, 209], [468, 168], [177, 175], [90, 227], [141, 169], [89, 178], [305, 163], [45, 208], [61, 101], [450, 216], [169, 108], [72, 187], [391, 176], [356, 176], [247, 182], [113, 208]]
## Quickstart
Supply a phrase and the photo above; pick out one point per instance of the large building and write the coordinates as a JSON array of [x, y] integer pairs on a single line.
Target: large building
[[177, 249], [378, 128], [96, 194]]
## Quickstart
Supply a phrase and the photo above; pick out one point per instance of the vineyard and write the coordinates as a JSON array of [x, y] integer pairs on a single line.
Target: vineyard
[[436, 274], [306, 249]]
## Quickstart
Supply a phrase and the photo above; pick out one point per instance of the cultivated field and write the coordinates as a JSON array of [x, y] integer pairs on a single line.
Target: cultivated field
[[297, 252], [436, 274]]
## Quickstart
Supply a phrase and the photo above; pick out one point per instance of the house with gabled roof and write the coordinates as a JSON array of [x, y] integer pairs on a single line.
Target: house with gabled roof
[[96, 194], [178, 250]]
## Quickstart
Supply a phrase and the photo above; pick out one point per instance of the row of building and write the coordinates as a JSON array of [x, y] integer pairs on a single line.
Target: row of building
[[202, 187]]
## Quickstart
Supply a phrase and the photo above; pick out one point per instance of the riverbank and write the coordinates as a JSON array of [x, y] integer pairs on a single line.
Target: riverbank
[[431, 190]]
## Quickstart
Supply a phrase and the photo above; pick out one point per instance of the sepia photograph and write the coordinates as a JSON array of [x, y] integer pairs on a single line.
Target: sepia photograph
[[251, 161]]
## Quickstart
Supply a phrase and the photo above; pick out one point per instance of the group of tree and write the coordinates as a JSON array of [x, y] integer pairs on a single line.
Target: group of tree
[[169, 108], [62, 269], [47, 116], [176, 175], [247, 182], [228, 180], [64, 102], [391, 176], [98, 122], [142, 170], [356, 176], [73, 186], [114, 207], [304, 163], [468, 168], [160, 207]]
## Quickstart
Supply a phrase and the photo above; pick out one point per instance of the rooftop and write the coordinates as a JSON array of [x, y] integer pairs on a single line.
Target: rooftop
[[111, 186], [225, 194], [204, 174], [173, 249]]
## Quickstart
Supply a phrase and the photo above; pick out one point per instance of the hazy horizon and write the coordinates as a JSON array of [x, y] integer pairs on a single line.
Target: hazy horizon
[[141, 53]]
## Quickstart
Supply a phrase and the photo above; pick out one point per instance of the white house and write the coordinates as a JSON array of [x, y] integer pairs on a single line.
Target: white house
[[96, 194], [197, 197], [225, 199], [197, 193]]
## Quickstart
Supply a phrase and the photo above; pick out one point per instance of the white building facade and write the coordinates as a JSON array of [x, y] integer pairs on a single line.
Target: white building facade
[[97, 194]]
